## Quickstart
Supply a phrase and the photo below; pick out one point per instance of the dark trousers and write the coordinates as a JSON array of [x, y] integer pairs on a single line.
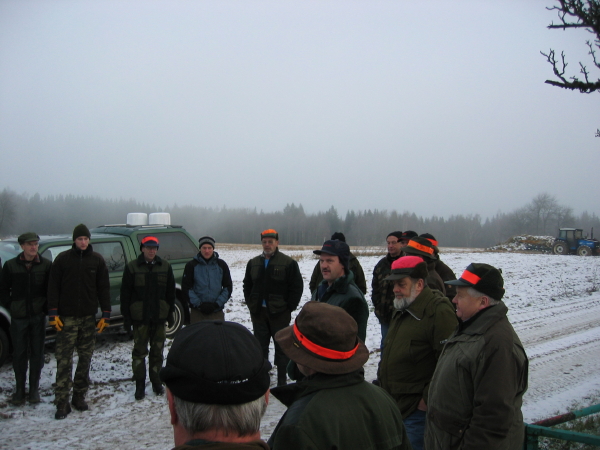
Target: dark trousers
[[265, 326], [197, 316], [78, 333], [152, 335], [28, 336]]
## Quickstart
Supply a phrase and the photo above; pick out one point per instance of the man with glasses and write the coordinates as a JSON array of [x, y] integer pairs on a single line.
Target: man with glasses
[[23, 286]]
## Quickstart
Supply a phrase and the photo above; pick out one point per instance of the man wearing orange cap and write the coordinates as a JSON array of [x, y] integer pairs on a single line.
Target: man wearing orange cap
[[147, 301], [273, 287], [422, 320], [477, 389]]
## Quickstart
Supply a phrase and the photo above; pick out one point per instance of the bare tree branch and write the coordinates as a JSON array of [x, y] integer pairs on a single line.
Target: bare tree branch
[[576, 14]]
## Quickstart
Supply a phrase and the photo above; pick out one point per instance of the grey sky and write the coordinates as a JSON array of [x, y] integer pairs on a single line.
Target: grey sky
[[435, 107]]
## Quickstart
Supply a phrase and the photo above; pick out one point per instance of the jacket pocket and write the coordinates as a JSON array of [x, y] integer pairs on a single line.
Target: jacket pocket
[[452, 427], [136, 310], [276, 304], [164, 308]]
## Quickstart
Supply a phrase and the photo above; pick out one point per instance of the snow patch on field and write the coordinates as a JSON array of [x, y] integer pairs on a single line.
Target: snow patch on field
[[554, 306]]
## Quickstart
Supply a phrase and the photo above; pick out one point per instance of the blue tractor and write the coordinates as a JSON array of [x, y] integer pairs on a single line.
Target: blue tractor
[[572, 241]]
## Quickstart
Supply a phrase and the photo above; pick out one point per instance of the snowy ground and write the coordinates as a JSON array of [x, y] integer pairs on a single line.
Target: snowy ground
[[554, 305]]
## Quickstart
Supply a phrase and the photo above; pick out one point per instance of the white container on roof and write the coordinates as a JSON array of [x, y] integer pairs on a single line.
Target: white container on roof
[[137, 219], [159, 218]]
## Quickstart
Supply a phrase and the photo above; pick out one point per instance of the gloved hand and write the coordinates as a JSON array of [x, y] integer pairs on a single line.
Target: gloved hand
[[55, 320], [103, 322], [208, 307]]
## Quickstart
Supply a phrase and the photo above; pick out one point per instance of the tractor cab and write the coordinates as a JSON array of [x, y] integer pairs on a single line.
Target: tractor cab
[[572, 240]]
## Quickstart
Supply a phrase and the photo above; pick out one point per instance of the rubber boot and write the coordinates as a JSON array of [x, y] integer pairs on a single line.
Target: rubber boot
[[62, 410], [140, 389], [34, 388], [158, 388], [18, 398]]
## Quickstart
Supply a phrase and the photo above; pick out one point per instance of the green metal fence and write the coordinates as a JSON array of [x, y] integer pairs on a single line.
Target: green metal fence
[[541, 429]]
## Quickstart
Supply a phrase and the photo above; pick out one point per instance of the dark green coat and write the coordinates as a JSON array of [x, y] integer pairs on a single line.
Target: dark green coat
[[413, 346], [476, 393], [337, 411], [23, 291], [280, 284], [345, 294], [147, 291], [382, 291], [355, 267]]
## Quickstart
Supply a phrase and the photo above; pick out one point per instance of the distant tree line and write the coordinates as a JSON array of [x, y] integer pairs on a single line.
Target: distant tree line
[[59, 214]]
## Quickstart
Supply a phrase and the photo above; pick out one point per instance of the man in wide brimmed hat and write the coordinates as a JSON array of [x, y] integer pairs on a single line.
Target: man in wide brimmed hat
[[422, 320], [481, 376], [333, 407]]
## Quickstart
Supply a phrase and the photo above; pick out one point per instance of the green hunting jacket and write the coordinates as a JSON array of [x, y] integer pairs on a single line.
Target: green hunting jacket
[[477, 389], [280, 284], [345, 294], [23, 291], [412, 347], [342, 412], [147, 291]]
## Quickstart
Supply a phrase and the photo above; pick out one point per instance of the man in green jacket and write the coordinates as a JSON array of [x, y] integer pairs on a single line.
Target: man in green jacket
[[147, 301], [333, 407], [422, 320], [477, 389], [23, 286], [273, 287], [338, 287], [354, 265]]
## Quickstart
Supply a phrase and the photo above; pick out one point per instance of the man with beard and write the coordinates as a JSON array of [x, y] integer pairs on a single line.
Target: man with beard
[[422, 320]]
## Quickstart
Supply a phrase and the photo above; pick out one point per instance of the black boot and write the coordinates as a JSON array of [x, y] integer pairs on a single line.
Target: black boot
[[158, 388], [34, 388], [78, 401], [18, 398], [140, 389], [62, 410]]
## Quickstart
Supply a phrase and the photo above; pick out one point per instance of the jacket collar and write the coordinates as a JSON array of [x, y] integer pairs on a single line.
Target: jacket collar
[[201, 260], [483, 320], [87, 251], [21, 259], [141, 260], [290, 393], [341, 284]]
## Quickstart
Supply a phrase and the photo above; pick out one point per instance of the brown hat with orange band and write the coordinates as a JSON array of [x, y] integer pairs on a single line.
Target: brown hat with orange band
[[483, 278], [420, 246], [324, 338]]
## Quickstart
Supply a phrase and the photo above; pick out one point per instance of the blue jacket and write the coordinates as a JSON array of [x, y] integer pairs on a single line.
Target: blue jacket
[[206, 281]]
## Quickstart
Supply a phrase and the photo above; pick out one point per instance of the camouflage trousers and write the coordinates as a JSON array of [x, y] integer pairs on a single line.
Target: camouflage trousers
[[78, 333], [153, 334]]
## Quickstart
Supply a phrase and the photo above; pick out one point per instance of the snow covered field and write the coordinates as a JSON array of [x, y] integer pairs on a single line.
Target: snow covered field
[[554, 305]]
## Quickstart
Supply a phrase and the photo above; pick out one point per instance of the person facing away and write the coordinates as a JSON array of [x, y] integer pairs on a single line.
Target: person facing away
[[273, 287], [23, 287], [147, 302], [422, 320], [206, 283], [333, 407], [217, 387], [78, 283], [354, 265], [477, 389]]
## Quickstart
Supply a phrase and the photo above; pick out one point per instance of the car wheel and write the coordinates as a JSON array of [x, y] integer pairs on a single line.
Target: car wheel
[[560, 248], [4, 346], [176, 320], [584, 250]]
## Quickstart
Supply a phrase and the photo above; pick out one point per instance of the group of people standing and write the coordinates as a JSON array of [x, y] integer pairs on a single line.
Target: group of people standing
[[452, 371]]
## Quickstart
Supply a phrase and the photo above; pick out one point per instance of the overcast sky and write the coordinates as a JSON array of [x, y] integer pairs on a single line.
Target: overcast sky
[[435, 107]]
